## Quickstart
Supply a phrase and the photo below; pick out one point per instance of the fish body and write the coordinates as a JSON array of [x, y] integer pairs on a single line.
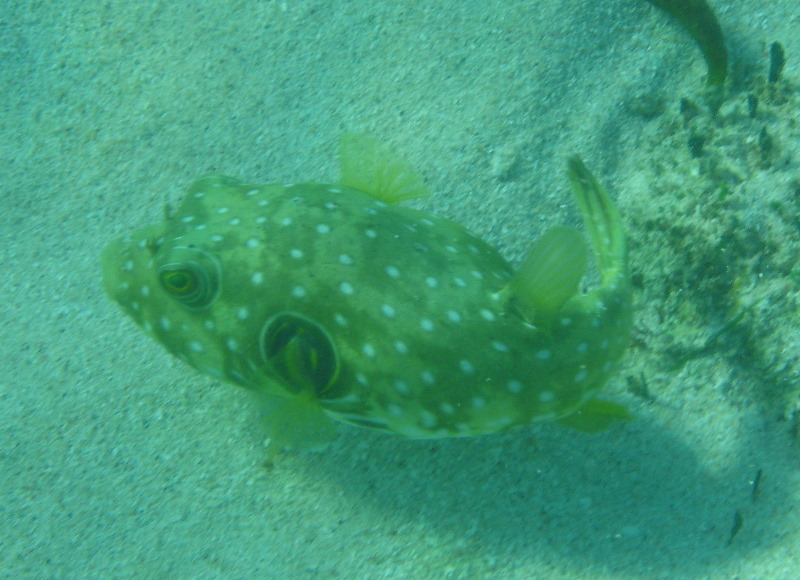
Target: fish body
[[331, 302]]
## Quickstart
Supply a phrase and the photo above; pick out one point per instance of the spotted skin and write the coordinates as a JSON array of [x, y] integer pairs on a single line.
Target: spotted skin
[[383, 316]]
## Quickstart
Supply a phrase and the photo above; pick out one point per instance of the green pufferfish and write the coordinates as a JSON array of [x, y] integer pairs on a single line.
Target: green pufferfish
[[333, 303]]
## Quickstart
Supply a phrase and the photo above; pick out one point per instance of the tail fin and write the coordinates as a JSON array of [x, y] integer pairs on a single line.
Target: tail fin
[[601, 220]]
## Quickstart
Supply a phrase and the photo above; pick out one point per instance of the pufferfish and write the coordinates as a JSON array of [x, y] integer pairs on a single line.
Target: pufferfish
[[331, 302]]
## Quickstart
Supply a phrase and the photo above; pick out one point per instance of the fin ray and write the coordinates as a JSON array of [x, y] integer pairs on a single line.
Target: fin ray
[[371, 167]]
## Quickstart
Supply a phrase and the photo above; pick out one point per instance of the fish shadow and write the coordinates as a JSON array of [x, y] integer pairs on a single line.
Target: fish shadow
[[634, 498]]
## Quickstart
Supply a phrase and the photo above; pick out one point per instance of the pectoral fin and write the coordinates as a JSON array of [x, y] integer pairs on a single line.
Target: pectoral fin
[[298, 423], [371, 167]]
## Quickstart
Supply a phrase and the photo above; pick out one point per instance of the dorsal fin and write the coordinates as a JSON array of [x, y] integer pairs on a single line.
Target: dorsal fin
[[549, 276]]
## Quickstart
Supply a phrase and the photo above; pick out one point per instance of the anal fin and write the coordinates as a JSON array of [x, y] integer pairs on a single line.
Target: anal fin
[[595, 416]]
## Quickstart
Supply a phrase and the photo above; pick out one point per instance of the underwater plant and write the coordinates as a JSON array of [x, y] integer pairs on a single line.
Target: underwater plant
[[698, 18]]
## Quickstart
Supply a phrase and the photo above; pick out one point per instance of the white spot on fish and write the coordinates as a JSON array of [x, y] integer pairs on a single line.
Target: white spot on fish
[[298, 291], [340, 320], [478, 402], [323, 228], [223, 210], [346, 260], [388, 311], [287, 221], [232, 345], [346, 288], [295, 253], [428, 378], [546, 397], [401, 347], [426, 324], [401, 387], [235, 222], [370, 233], [453, 316], [392, 271], [165, 323], [427, 419], [431, 282], [368, 350], [257, 278], [581, 376], [499, 346], [466, 366], [460, 282], [196, 346], [544, 354], [488, 315], [514, 386], [583, 347], [243, 313]]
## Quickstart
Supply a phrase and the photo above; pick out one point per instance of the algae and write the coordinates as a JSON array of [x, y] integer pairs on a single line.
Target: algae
[[698, 18]]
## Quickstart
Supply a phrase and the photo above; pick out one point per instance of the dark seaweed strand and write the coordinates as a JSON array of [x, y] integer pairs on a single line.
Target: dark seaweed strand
[[776, 62], [698, 18]]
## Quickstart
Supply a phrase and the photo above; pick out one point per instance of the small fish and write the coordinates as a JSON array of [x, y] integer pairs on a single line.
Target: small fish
[[332, 303]]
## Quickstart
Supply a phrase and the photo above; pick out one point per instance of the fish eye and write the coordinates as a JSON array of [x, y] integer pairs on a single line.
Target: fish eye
[[191, 277], [179, 282], [300, 352]]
